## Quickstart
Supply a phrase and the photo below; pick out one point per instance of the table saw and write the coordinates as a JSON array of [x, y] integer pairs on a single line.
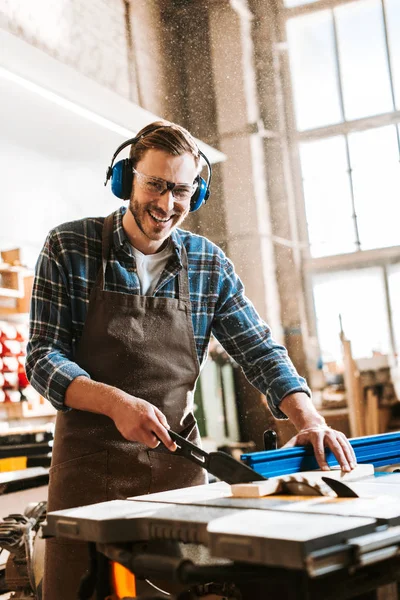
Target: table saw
[[341, 543]]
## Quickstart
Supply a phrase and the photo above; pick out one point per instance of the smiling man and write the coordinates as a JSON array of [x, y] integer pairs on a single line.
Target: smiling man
[[122, 312]]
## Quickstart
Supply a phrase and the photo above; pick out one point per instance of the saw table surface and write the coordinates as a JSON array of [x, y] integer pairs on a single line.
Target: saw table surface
[[350, 539], [191, 515]]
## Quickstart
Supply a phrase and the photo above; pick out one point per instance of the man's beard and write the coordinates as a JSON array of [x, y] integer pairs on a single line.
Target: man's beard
[[140, 213]]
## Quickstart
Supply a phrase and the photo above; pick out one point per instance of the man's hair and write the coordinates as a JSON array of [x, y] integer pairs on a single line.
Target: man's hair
[[169, 137]]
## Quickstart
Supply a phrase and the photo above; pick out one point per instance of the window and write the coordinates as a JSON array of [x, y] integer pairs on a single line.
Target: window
[[393, 25], [357, 297], [344, 62], [375, 168], [328, 197], [394, 290], [364, 65], [352, 191], [316, 93], [291, 3]]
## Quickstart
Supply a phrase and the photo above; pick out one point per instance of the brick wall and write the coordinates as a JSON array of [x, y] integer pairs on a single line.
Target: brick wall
[[88, 35]]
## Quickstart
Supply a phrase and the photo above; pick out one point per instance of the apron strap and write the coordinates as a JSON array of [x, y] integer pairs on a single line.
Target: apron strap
[[183, 278], [107, 234]]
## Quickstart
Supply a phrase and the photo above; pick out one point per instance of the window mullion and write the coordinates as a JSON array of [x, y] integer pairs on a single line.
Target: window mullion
[[389, 59], [353, 204], [338, 65]]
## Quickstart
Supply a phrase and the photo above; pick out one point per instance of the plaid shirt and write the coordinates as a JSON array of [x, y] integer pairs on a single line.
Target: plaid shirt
[[66, 271]]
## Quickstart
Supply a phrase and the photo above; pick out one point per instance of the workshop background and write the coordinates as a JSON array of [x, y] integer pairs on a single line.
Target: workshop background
[[297, 105]]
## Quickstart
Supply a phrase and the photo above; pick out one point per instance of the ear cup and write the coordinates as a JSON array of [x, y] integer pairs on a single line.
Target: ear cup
[[200, 196], [122, 179]]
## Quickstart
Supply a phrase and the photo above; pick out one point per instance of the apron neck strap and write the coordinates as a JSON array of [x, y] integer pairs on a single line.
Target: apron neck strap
[[183, 277], [106, 242]]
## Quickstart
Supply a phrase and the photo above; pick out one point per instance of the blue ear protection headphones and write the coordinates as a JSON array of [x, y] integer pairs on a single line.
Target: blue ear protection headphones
[[121, 175]]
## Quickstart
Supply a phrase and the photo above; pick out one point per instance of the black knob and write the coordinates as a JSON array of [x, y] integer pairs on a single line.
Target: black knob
[[270, 440]]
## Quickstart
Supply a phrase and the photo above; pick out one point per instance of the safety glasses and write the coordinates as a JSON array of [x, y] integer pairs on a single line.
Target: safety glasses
[[155, 186]]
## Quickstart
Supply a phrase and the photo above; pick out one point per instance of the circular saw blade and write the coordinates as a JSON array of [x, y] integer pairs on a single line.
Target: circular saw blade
[[299, 485]]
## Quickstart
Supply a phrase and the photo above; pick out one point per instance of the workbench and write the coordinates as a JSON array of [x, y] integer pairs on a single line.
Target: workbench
[[292, 547]]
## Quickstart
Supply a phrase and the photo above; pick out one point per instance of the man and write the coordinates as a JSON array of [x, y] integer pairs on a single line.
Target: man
[[122, 312]]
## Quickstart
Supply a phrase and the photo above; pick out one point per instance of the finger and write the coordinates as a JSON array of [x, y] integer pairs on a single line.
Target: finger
[[163, 420], [151, 440], [337, 450], [319, 451], [353, 457], [348, 451], [162, 434], [161, 417]]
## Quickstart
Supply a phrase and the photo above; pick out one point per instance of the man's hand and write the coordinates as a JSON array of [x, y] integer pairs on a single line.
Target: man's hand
[[312, 429], [135, 419], [140, 421], [324, 437]]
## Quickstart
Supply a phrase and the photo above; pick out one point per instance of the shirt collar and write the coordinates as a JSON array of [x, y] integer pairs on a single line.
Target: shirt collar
[[121, 240]]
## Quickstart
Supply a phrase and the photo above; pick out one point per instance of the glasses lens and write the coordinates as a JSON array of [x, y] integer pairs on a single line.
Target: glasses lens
[[153, 186], [183, 192]]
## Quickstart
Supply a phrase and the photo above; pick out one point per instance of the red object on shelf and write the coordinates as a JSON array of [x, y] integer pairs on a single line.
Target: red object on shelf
[[11, 380], [7, 331], [10, 363], [22, 332], [22, 379], [11, 348]]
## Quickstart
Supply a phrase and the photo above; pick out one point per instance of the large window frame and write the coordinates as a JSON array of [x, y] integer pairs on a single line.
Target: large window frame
[[380, 257]]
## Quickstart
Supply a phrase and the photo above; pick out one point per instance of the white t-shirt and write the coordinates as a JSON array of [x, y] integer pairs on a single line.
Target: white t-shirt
[[150, 266]]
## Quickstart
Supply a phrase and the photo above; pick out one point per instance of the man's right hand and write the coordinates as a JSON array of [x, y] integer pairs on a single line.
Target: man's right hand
[[136, 419], [139, 421]]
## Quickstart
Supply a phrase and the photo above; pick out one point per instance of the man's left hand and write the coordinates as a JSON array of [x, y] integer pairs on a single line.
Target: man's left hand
[[321, 437]]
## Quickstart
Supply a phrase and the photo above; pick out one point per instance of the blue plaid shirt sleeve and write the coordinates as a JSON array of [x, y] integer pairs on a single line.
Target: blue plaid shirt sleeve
[[49, 363], [248, 340]]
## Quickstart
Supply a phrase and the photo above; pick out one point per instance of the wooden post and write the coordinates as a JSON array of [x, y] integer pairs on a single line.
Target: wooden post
[[353, 390], [371, 412]]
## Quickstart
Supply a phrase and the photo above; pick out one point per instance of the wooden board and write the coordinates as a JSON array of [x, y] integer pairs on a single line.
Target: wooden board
[[271, 486]]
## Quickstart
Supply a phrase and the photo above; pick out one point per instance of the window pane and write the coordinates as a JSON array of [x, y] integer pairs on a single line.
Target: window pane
[[374, 158], [313, 70], [359, 297], [394, 291], [327, 196], [363, 59], [393, 24], [291, 3]]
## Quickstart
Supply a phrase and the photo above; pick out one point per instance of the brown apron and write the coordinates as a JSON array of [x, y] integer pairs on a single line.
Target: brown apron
[[146, 347]]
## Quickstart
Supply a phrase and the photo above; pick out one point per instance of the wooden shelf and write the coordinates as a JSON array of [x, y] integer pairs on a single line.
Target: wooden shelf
[[10, 293], [21, 410], [16, 284]]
